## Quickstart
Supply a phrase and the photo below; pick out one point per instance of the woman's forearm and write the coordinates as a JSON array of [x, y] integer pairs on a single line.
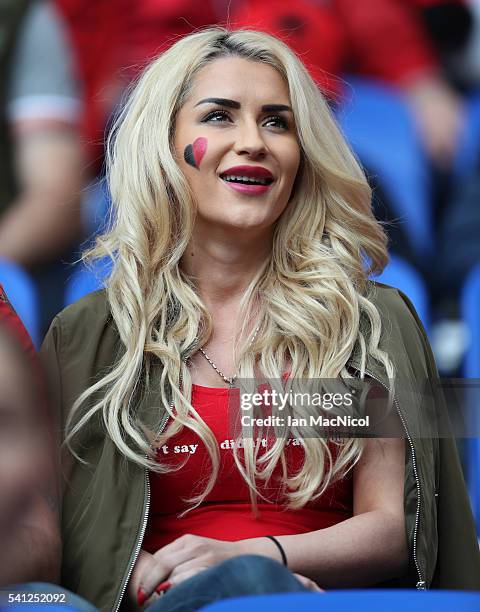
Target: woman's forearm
[[361, 551]]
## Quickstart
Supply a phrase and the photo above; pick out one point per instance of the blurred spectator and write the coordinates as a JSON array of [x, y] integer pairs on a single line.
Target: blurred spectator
[[459, 238], [41, 156], [29, 520]]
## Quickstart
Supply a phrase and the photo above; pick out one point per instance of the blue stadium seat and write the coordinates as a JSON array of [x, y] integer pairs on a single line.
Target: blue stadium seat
[[470, 303], [403, 276], [471, 314], [22, 294], [96, 203], [86, 279], [380, 128], [358, 600], [96, 207], [468, 153]]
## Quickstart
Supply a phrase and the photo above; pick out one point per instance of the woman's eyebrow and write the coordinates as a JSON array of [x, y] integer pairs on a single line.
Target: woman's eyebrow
[[266, 108], [275, 108], [220, 102]]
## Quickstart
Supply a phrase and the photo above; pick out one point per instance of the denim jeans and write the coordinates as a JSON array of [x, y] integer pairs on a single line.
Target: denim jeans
[[242, 575]]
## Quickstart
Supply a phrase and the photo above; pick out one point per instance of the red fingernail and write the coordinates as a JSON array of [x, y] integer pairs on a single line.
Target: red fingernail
[[141, 596], [163, 586]]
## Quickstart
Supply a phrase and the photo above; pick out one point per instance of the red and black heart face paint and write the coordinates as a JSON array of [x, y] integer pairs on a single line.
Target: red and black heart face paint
[[193, 153]]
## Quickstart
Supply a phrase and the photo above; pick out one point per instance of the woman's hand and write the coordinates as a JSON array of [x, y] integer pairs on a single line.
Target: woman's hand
[[177, 561], [187, 556], [309, 584], [440, 116], [142, 564]]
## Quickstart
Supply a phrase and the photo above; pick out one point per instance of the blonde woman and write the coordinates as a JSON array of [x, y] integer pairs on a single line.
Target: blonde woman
[[242, 222]]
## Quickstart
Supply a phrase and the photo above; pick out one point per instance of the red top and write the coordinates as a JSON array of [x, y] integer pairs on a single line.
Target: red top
[[226, 513]]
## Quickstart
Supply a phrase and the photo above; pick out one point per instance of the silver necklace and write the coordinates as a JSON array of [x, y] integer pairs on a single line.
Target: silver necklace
[[230, 380]]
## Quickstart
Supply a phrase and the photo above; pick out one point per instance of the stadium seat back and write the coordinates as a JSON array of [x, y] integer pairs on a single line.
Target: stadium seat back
[[380, 128], [358, 600], [402, 275], [470, 304], [468, 154], [86, 279]]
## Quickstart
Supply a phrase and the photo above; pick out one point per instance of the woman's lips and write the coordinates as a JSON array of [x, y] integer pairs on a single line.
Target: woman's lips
[[247, 189]]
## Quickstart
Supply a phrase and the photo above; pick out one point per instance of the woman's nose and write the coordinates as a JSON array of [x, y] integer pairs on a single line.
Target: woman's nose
[[249, 140]]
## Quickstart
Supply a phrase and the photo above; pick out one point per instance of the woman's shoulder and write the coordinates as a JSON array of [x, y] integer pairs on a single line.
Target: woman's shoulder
[[403, 336], [84, 318], [393, 303], [92, 308], [396, 310], [80, 346], [82, 330]]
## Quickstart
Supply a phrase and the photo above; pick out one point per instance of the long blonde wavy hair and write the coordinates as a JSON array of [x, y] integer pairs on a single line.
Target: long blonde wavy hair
[[311, 297]]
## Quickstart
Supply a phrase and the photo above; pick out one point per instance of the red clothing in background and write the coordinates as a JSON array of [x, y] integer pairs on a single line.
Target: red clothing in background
[[113, 40], [378, 38], [11, 323], [226, 512]]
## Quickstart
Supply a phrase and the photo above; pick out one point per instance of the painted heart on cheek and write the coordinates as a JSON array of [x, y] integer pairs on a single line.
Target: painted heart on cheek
[[193, 154]]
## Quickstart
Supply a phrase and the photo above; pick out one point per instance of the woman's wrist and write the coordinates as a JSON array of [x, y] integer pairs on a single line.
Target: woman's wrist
[[260, 546]]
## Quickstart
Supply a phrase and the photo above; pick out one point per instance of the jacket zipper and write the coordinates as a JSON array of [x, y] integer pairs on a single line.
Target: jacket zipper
[[421, 584], [138, 545], [146, 510]]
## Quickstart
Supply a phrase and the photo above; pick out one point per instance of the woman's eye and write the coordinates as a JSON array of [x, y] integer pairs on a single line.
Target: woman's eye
[[215, 115], [278, 121], [218, 116]]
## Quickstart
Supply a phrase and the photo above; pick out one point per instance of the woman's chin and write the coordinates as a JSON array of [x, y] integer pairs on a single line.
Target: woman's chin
[[240, 223]]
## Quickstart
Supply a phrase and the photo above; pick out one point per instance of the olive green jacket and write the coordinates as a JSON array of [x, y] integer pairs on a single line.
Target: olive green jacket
[[106, 501]]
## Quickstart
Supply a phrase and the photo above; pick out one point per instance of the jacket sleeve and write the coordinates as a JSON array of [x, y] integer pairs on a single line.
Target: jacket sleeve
[[50, 360], [458, 558]]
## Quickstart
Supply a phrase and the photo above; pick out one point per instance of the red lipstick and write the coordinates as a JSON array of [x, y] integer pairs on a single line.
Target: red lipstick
[[250, 180], [251, 171]]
